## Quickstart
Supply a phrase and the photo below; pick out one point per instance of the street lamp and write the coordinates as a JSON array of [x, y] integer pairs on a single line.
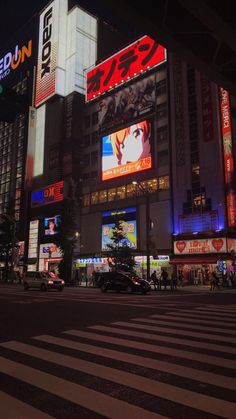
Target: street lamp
[[146, 194]]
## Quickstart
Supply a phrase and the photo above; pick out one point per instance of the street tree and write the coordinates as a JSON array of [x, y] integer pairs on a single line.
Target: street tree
[[66, 238]]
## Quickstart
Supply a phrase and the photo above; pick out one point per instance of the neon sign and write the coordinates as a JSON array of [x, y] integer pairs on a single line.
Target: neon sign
[[48, 195], [228, 157], [47, 54], [138, 57], [12, 60]]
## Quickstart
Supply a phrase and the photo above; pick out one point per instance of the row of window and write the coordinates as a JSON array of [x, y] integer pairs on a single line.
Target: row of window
[[126, 191]]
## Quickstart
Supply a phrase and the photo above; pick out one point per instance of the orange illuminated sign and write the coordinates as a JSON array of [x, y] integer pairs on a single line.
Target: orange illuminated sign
[[12, 60]]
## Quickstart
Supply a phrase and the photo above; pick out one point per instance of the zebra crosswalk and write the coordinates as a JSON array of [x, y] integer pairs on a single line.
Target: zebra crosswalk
[[176, 365]]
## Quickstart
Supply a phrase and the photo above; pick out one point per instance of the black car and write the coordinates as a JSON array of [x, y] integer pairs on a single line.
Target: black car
[[124, 281]]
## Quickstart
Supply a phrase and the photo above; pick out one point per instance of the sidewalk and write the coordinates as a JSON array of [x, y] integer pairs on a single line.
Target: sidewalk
[[199, 288]]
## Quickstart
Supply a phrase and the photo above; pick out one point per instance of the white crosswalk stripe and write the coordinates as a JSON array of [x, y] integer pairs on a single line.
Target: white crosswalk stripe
[[143, 368]]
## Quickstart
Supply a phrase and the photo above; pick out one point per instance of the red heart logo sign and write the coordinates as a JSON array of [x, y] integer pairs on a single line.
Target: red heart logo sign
[[181, 246], [217, 244]]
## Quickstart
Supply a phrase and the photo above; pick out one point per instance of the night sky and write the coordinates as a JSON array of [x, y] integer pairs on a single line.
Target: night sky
[[14, 15]]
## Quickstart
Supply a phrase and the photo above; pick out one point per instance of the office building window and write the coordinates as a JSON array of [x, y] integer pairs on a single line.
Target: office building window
[[162, 134], [162, 110], [121, 192], [161, 87], [102, 196], [111, 194], [94, 198]]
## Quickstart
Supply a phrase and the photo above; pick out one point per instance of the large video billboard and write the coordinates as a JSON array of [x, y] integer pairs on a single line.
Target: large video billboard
[[132, 61], [127, 104], [129, 224], [127, 151]]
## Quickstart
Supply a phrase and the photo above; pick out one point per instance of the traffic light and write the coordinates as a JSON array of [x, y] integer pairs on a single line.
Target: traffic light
[[11, 103]]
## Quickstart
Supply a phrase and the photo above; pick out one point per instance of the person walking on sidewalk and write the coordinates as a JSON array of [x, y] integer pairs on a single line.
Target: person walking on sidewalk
[[164, 277], [155, 280], [214, 281]]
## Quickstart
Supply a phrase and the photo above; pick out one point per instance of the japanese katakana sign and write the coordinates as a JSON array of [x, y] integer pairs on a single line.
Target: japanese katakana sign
[[140, 56]]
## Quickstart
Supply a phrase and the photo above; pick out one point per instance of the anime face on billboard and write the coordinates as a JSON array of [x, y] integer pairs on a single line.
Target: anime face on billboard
[[127, 151]]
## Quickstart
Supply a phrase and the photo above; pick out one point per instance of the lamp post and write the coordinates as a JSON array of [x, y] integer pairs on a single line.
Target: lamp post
[[146, 194]]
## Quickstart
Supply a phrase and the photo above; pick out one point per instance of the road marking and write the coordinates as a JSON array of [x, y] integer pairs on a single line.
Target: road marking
[[204, 314], [179, 353], [178, 317], [167, 339], [178, 395], [182, 325], [171, 368], [176, 331], [88, 398], [11, 408]]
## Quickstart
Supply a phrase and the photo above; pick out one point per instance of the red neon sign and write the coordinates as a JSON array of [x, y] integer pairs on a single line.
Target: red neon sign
[[130, 62], [228, 157]]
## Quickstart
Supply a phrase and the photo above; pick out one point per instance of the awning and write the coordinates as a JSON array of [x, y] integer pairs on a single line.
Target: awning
[[196, 260]]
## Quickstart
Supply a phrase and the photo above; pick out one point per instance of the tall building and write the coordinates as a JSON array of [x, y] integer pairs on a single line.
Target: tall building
[[139, 134]]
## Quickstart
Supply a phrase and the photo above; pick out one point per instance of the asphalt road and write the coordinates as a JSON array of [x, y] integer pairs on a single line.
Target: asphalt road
[[84, 354]]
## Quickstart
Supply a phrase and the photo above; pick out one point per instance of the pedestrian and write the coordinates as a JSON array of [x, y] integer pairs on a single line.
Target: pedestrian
[[173, 283], [214, 281], [180, 279], [155, 280], [164, 277]]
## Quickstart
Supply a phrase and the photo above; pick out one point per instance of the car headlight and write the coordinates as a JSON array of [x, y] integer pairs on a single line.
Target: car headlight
[[62, 282], [136, 282], [50, 282]]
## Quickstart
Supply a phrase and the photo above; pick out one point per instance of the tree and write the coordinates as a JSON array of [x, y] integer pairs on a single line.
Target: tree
[[66, 238], [119, 253]]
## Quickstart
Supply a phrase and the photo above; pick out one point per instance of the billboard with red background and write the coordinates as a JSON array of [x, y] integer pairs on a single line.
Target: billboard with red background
[[132, 61], [228, 157]]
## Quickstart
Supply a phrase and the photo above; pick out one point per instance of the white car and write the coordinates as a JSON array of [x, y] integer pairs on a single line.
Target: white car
[[42, 281]]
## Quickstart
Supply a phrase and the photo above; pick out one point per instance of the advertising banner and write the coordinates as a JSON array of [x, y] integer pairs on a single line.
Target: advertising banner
[[129, 225], [132, 61], [33, 239], [127, 151], [47, 54], [48, 195], [127, 104], [228, 157], [201, 246], [49, 250], [207, 110]]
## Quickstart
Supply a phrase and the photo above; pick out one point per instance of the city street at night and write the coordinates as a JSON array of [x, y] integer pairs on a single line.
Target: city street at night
[[85, 354]]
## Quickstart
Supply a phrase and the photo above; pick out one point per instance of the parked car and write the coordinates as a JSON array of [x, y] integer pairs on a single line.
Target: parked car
[[124, 281], [42, 281]]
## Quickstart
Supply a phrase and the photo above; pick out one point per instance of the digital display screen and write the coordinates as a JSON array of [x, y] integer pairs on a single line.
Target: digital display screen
[[51, 225], [127, 151], [127, 217], [132, 102]]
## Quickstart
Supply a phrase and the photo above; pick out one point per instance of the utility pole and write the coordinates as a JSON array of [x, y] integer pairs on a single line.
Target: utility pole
[[147, 204]]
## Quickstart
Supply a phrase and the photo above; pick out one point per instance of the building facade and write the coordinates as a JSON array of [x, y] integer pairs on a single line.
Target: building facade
[[138, 135]]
